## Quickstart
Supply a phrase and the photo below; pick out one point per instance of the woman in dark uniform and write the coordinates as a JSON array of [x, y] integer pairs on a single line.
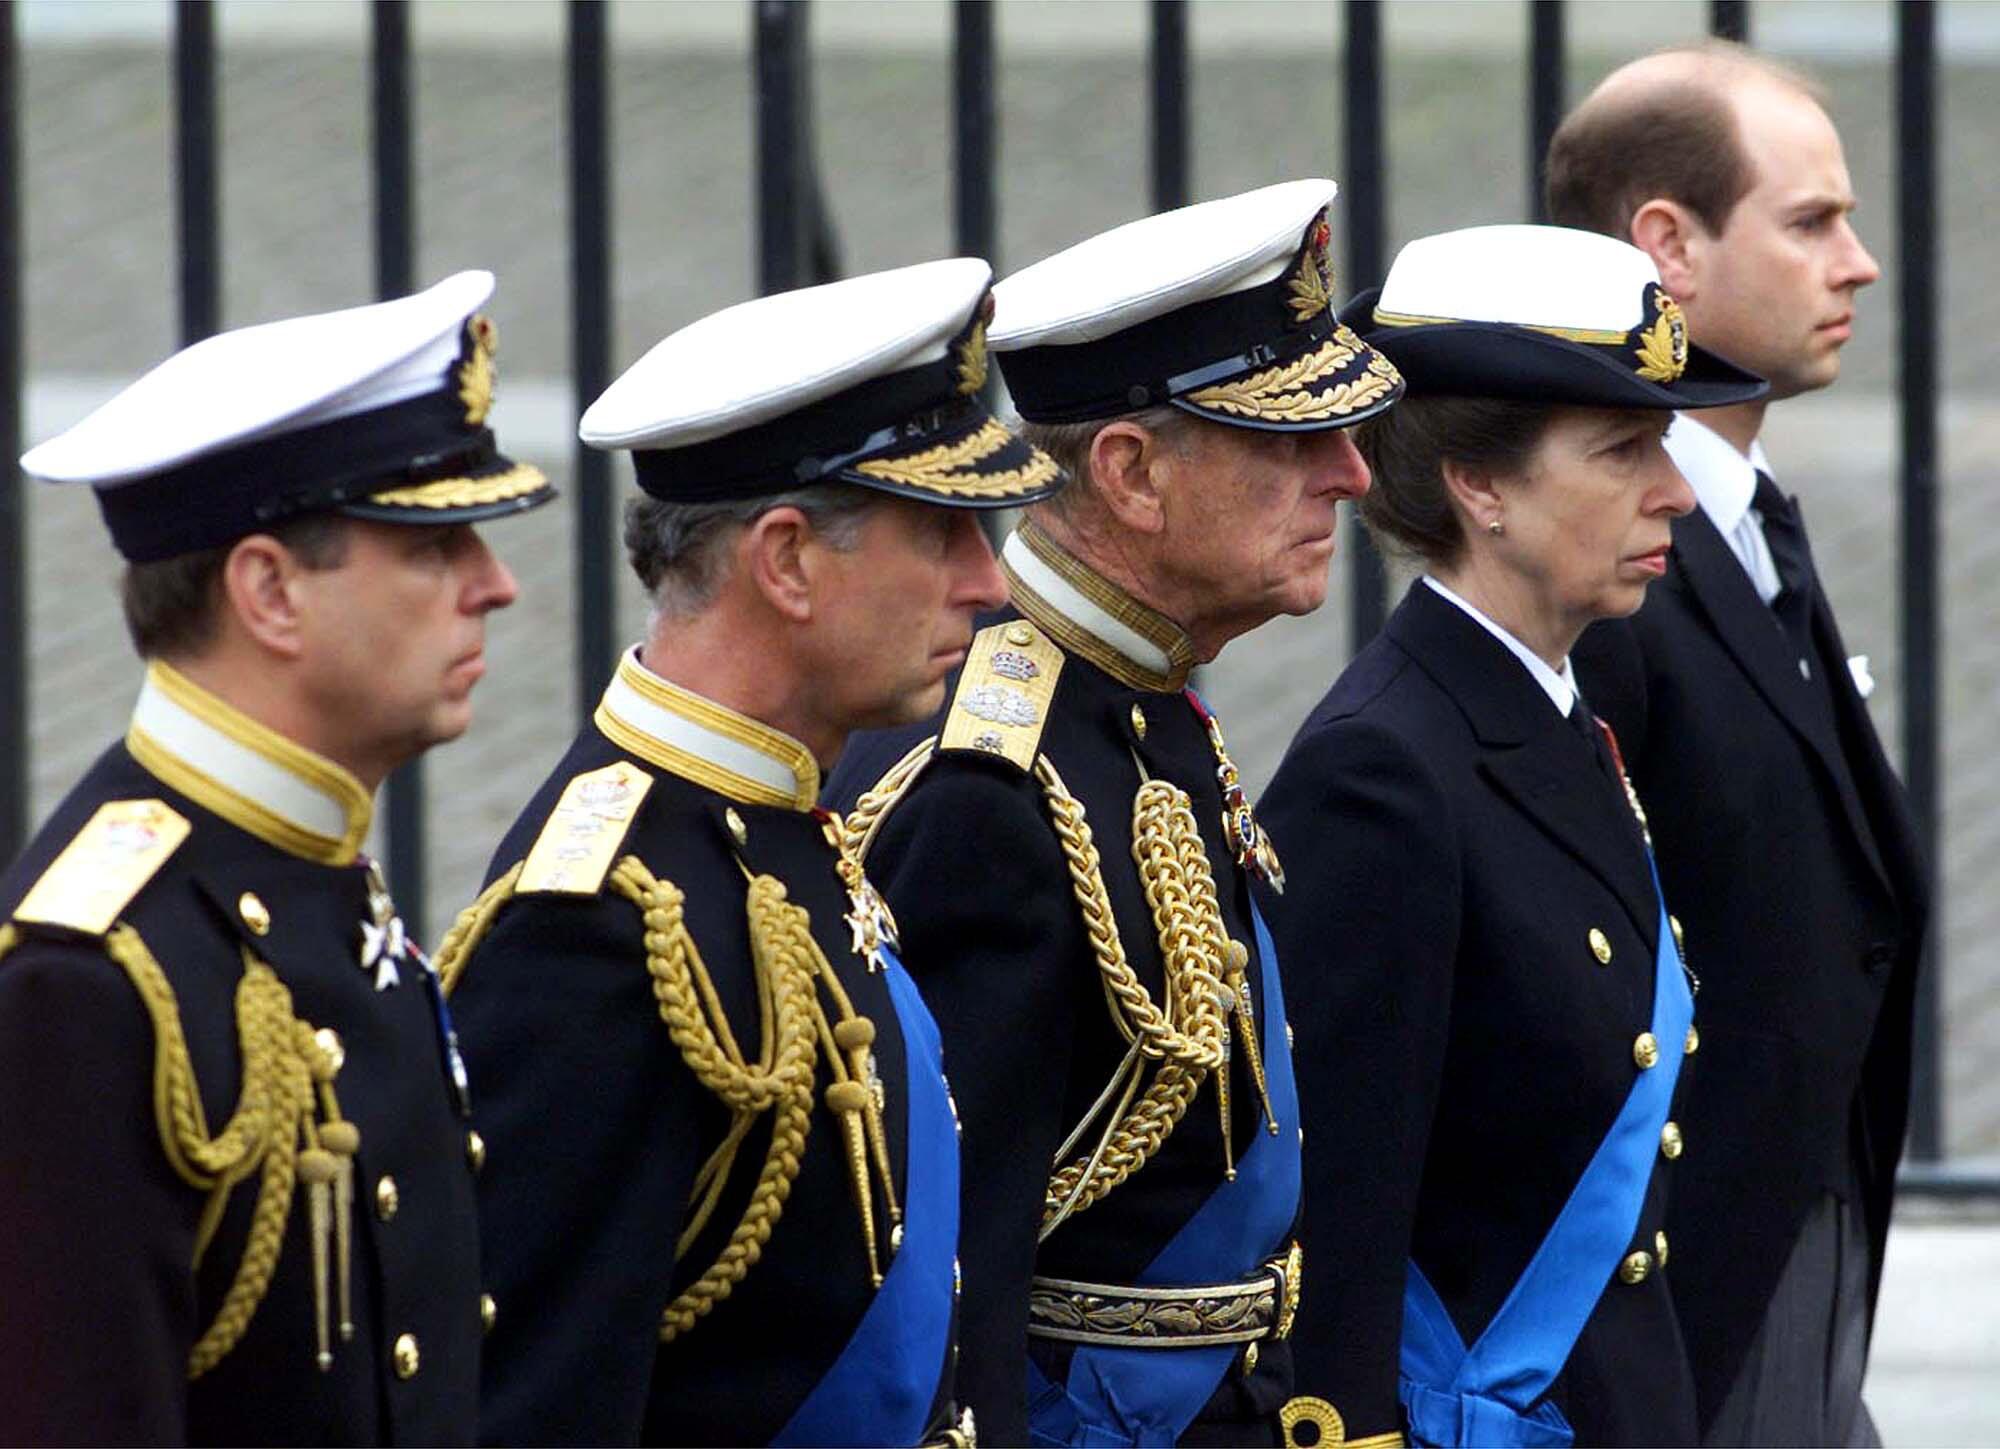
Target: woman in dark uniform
[[1491, 1006]]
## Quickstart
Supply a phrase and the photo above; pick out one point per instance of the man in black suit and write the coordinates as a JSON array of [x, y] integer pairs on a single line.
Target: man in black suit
[[1783, 835]]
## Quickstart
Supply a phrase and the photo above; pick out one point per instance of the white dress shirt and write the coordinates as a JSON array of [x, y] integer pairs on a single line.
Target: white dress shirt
[[1724, 481], [1558, 684]]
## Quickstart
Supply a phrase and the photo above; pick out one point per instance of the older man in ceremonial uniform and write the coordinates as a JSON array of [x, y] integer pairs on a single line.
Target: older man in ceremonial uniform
[[1069, 853], [722, 1206], [1783, 833], [235, 1156]]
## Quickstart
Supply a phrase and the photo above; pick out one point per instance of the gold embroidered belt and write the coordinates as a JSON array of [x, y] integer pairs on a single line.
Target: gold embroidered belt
[[1192, 1317]]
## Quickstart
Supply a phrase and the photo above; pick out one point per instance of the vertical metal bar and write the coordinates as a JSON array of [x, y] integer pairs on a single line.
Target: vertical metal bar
[[199, 199], [975, 213], [590, 341], [395, 275], [1545, 96], [783, 202], [1169, 57], [13, 550], [1366, 206], [1730, 19], [1916, 223]]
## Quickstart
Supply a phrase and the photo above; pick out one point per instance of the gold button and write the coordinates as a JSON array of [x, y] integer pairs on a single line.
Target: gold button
[[1020, 634], [1680, 944], [1600, 946], [475, 1150], [737, 828], [1693, 1041], [1670, 1140], [1645, 1050], [1291, 1037], [387, 1198], [1138, 722], [254, 915], [488, 1311], [1660, 1247], [1635, 1267], [405, 1357], [334, 1054]]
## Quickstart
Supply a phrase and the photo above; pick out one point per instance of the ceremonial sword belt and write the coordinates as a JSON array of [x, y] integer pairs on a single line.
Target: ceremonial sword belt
[[1121, 1316]]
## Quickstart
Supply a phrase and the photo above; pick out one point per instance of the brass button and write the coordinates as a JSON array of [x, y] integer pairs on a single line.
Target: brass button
[[737, 829], [1660, 1247], [387, 1198], [1680, 942], [1645, 1050], [404, 1356], [1138, 722], [488, 1311], [1635, 1267], [1670, 1141], [1020, 634], [1693, 1041], [1291, 1037], [475, 1150], [254, 914], [1600, 946]]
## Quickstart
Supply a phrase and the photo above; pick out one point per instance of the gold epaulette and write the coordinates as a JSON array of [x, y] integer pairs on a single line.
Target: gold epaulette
[[1002, 702], [580, 840], [108, 863]]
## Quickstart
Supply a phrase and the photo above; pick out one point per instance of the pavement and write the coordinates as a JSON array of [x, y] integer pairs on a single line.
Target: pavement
[[1934, 1370]]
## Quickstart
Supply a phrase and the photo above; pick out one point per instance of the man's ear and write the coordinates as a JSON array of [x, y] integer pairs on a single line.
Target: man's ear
[[774, 555], [1126, 474], [1671, 235], [1473, 498], [261, 591]]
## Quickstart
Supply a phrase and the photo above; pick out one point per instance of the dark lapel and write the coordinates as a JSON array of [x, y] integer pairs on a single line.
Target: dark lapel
[[1714, 576], [1532, 756]]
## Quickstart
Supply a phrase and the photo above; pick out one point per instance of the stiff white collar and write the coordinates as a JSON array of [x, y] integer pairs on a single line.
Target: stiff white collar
[[1090, 616], [705, 742], [246, 772], [1723, 479], [1558, 684]]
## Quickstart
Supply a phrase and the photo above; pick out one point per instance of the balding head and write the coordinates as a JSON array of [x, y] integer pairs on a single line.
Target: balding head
[[1665, 126]]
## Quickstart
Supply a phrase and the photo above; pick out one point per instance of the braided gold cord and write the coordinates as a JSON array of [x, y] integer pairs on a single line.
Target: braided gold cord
[[455, 950]]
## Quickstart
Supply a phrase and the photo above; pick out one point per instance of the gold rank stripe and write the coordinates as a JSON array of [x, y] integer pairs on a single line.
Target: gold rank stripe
[[98, 873], [1003, 696], [577, 846]]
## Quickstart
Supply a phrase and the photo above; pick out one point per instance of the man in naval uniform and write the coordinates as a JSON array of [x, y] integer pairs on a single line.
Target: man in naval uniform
[[235, 1156], [1783, 833], [1069, 851], [722, 1205]]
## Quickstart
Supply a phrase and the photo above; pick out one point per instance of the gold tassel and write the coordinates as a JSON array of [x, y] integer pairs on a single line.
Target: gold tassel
[[1222, 1105], [317, 1169], [855, 1036], [1246, 1024], [343, 1140], [849, 1100]]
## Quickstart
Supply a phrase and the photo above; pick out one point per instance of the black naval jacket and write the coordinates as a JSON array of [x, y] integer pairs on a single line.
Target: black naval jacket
[[597, 1127], [1456, 857], [991, 927], [103, 1297], [1787, 847]]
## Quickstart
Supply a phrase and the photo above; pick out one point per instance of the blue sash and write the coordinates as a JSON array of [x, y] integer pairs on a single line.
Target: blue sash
[[882, 1387], [1482, 1395], [1128, 1396]]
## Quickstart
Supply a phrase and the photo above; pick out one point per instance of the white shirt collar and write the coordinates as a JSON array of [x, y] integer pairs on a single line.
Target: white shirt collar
[[708, 743], [1723, 480], [1558, 684], [246, 772]]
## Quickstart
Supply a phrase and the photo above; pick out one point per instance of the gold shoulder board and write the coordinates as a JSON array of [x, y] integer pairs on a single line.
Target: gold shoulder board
[[1003, 696], [109, 863], [575, 850]]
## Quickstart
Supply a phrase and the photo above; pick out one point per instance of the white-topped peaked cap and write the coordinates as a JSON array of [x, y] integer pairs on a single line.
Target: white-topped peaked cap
[[1544, 314], [375, 411], [874, 381], [1223, 309]]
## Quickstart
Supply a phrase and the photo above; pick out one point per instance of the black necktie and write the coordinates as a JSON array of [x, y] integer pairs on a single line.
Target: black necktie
[[1585, 723], [1786, 536]]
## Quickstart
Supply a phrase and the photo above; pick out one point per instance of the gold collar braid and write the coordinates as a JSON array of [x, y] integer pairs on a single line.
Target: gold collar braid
[[1088, 615]]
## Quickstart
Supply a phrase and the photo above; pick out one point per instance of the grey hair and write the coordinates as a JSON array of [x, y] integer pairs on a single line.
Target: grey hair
[[1069, 444], [680, 550]]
